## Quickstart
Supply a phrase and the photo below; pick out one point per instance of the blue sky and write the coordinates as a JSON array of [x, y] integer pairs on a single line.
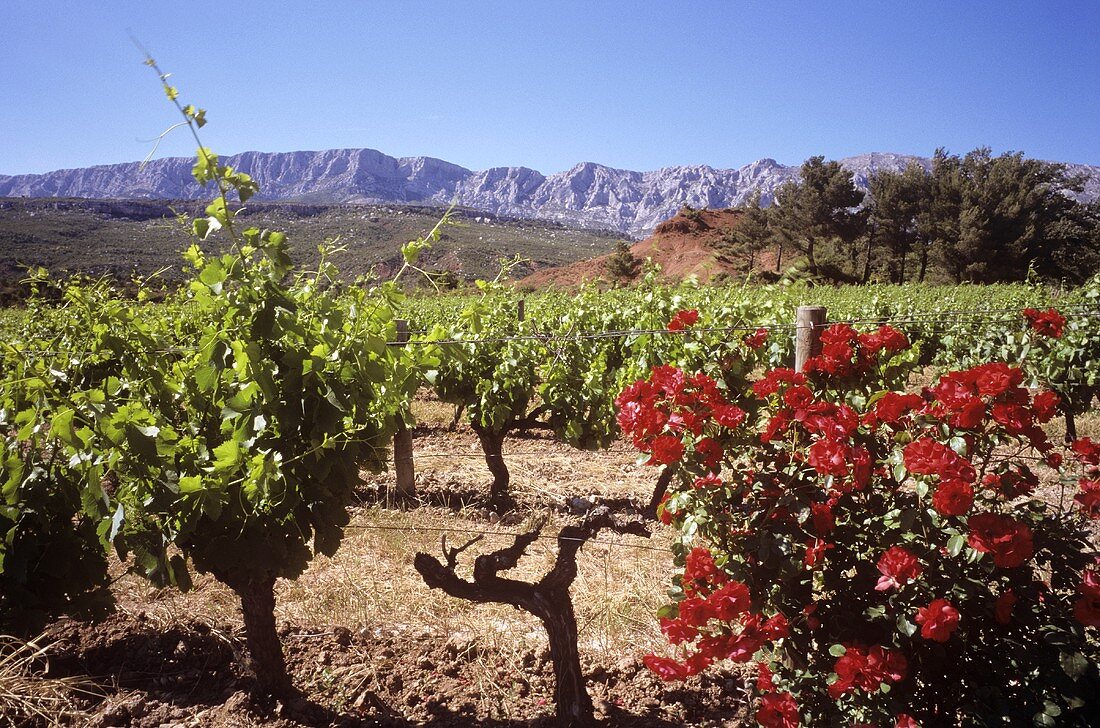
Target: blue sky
[[546, 84]]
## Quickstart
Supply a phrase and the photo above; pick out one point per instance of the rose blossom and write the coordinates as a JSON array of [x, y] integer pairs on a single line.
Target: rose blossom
[[683, 319], [898, 568], [953, 498], [1048, 323], [1007, 539], [938, 620], [778, 710], [1087, 608]]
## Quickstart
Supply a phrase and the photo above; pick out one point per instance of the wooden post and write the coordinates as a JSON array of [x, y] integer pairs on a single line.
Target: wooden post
[[809, 322], [402, 441], [520, 309]]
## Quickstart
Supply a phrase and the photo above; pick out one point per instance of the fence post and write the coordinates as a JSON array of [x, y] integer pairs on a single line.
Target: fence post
[[520, 309], [402, 441], [809, 322]]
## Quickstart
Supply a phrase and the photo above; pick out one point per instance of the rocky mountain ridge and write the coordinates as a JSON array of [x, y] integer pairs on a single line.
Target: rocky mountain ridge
[[588, 195]]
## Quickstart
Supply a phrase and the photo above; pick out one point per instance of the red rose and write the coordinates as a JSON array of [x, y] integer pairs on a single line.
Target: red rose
[[906, 721], [1002, 609], [815, 551], [709, 451], [830, 457], [970, 414], [764, 681], [665, 449], [769, 385], [953, 498], [1087, 608], [665, 668], [938, 620], [891, 407], [776, 627], [778, 710], [823, 518], [1046, 405], [1014, 417], [1047, 323], [1089, 497], [898, 567], [677, 632], [776, 426], [683, 319], [955, 389], [699, 566], [756, 339], [1008, 540], [866, 669], [798, 397], [892, 340], [729, 415], [1012, 483], [695, 611], [729, 601], [710, 480], [996, 378], [924, 456], [664, 513], [1086, 451]]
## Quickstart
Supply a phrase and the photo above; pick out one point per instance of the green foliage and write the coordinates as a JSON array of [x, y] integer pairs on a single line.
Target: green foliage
[[224, 429], [622, 265], [750, 235], [820, 210]]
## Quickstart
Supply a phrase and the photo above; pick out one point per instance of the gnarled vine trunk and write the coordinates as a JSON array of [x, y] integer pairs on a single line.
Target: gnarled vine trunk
[[548, 599], [265, 653], [492, 444], [659, 490]]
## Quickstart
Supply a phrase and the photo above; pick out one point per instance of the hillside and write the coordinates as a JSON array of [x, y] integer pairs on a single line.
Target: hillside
[[588, 195], [117, 237], [686, 244]]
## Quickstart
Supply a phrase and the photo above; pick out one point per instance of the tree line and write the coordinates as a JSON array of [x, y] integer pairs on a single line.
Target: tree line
[[978, 218]]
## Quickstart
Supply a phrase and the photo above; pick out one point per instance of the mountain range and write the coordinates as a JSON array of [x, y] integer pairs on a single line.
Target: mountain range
[[588, 195]]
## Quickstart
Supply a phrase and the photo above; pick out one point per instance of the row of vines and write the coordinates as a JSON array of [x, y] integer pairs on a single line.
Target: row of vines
[[224, 430]]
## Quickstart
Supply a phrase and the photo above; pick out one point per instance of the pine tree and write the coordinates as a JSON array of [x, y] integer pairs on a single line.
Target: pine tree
[[622, 265], [819, 209]]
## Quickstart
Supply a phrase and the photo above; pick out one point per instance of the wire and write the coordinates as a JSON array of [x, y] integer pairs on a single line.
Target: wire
[[973, 317], [510, 534]]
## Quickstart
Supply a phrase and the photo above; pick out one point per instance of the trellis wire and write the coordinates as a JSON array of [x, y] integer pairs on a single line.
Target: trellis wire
[[510, 534], [974, 317]]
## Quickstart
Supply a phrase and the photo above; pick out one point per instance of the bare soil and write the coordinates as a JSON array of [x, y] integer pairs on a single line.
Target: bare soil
[[682, 245], [187, 675], [367, 643]]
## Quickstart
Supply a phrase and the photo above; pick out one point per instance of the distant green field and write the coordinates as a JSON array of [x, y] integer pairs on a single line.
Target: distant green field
[[118, 237], [10, 321]]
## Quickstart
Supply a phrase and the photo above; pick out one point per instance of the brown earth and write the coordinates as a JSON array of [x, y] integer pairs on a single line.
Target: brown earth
[[187, 675], [683, 245], [368, 644]]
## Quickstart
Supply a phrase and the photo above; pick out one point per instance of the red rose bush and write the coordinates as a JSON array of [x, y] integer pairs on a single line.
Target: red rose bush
[[878, 554]]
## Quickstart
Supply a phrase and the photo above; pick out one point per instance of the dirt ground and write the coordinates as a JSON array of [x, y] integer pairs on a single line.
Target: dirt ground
[[186, 675], [368, 643]]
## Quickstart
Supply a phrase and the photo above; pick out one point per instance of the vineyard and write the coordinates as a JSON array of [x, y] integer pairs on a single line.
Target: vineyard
[[239, 437]]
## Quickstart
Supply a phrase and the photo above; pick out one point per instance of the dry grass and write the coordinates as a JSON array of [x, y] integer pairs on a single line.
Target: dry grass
[[370, 583], [27, 697]]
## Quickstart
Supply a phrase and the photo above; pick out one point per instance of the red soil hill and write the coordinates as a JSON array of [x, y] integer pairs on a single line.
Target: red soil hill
[[686, 244]]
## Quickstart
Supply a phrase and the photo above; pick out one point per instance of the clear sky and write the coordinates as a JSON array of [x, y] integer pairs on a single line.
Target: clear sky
[[545, 84]]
